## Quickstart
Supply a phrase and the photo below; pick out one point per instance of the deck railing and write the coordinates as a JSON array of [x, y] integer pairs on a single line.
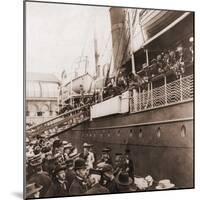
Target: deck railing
[[169, 93]]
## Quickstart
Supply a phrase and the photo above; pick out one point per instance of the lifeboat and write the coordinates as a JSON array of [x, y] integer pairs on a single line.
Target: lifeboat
[[78, 84]]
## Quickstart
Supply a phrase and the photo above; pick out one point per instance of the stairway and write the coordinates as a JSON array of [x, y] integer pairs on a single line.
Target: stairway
[[60, 123]]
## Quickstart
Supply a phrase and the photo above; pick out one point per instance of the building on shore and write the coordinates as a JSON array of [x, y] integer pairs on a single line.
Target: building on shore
[[41, 97]]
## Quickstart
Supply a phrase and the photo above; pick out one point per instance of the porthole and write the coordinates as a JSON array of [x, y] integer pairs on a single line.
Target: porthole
[[183, 131], [140, 133], [158, 132]]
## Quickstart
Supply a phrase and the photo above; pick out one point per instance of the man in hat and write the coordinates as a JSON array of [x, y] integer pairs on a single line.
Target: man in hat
[[85, 152], [39, 176], [160, 64], [70, 173], [67, 150], [125, 183], [33, 191], [49, 163], [128, 163], [105, 157], [57, 147], [108, 179], [91, 157], [79, 185], [60, 186], [119, 163], [94, 179], [88, 155], [153, 68]]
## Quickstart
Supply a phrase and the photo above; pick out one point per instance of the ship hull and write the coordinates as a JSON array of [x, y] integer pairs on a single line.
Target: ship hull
[[160, 140]]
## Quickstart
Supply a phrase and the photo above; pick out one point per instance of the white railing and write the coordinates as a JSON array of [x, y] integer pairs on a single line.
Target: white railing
[[174, 92]]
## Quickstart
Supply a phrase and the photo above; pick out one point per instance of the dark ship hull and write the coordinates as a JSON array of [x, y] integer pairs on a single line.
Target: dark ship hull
[[161, 140]]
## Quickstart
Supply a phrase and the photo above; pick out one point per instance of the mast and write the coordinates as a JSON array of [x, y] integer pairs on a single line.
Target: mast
[[131, 40], [96, 54]]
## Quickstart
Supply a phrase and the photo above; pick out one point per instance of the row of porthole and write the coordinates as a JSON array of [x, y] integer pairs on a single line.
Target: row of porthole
[[131, 133]]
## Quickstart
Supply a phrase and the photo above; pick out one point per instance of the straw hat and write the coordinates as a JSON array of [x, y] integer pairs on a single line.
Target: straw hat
[[164, 184], [36, 160], [86, 145], [69, 146]]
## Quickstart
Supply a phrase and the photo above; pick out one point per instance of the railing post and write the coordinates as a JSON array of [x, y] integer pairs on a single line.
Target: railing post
[[143, 99], [151, 88], [139, 98], [181, 88], [165, 85], [130, 100]]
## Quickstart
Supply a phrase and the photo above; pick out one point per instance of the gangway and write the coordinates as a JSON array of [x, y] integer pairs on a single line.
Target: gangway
[[61, 122]]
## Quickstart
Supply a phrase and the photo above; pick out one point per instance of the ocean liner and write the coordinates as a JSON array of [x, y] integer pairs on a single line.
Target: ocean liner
[[153, 115]]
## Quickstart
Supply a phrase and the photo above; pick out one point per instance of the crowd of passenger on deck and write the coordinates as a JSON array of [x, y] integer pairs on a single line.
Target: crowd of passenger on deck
[[57, 168], [175, 61], [169, 60]]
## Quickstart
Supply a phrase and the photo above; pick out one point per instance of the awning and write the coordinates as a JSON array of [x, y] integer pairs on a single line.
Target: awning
[[167, 28]]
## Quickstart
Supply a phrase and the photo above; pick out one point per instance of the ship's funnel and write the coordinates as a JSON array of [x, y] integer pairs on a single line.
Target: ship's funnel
[[117, 16]]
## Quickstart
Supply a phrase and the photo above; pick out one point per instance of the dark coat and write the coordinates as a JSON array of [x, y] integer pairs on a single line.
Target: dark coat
[[43, 179], [70, 175], [84, 156], [78, 187], [98, 189], [58, 189], [111, 185], [127, 188]]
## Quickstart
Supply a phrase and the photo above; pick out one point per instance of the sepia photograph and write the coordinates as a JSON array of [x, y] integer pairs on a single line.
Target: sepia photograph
[[109, 99]]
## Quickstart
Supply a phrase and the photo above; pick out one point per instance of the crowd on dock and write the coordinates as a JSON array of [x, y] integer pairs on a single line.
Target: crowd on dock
[[56, 168]]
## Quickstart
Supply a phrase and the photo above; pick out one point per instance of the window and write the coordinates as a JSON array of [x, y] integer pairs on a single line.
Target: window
[[183, 131], [158, 132], [140, 133], [39, 114]]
